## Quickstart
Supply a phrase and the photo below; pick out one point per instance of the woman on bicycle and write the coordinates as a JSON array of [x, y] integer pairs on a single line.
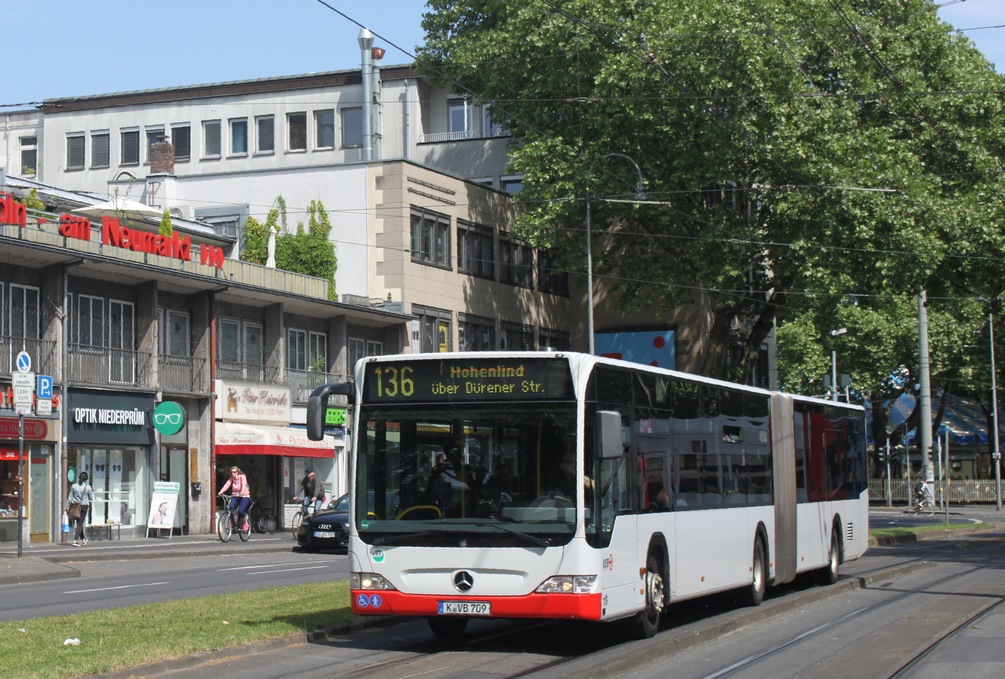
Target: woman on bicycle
[[240, 495], [920, 491]]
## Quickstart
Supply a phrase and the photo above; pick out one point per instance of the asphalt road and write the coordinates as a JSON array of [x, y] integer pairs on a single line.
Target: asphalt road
[[111, 584]]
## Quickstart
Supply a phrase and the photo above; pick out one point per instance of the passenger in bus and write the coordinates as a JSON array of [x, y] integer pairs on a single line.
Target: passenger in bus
[[662, 500], [442, 479]]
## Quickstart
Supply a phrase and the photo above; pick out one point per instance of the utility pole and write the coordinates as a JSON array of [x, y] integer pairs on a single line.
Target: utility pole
[[925, 401]]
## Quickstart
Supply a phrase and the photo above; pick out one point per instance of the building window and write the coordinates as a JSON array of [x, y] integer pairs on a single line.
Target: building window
[[121, 342], [175, 334], [317, 352], [296, 349], [155, 135], [229, 346], [29, 155], [434, 329], [237, 359], [476, 334], [181, 141], [254, 352], [556, 339], [90, 321], [24, 311], [324, 129], [296, 124], [130, 151], [517, 337], [352, 128], [549, 278], [516, 265], [357, 350], [459, 118], [239, 137], [265, 134], [211, 139], [511, 185], [99, 149], [489, 128], [75, 151], [474, 250], [360, 348], [430, 238]]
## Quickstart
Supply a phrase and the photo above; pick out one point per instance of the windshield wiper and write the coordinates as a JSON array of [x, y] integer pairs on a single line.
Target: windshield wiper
[[533, 539], [391, 539]]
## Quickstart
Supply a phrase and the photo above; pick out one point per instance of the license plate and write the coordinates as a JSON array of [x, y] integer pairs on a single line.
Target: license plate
[[464, 608], [324, 534]]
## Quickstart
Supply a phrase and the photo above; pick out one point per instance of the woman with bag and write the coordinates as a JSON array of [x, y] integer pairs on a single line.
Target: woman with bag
[[78, 502]]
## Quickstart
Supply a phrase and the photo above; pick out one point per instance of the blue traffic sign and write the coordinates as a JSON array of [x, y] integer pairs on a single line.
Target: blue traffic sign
[[44, 388], [23, 362]]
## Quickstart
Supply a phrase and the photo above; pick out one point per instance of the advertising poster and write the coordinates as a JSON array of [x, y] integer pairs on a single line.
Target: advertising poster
[[163, 504]]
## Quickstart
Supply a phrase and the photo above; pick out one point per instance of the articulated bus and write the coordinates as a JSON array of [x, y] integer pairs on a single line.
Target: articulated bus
[[557, 485]]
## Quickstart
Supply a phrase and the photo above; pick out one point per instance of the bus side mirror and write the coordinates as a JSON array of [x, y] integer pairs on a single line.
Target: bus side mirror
[[317, 406], [609, 434]]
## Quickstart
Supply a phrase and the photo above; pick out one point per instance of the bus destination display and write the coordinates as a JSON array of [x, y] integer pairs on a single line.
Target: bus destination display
[[467, 379]]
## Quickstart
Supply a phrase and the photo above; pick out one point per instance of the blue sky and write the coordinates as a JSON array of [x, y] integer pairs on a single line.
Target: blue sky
[[102, 46]]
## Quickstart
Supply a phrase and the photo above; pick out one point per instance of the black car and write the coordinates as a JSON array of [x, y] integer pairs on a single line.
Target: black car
[[327, 529]]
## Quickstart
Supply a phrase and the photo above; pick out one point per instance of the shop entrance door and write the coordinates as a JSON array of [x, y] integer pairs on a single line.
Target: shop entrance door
[[174, 467], [39, 498]]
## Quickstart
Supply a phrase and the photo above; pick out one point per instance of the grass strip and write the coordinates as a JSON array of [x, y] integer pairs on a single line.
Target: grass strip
[[929, 528], [122, 637]]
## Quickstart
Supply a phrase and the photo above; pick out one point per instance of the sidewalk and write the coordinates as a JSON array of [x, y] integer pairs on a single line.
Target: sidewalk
[[53, 560]]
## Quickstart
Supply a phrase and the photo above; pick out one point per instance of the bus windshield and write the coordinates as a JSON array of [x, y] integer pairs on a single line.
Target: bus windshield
[[478, 475]]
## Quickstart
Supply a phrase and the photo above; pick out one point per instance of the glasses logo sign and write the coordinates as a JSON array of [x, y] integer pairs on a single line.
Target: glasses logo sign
[[169, 418]]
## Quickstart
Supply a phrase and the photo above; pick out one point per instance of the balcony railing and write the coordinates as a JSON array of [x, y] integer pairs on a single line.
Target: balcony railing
[[460, 135], [104, 365], [303, 382], [248, 372], [42, 352], [182, 373]]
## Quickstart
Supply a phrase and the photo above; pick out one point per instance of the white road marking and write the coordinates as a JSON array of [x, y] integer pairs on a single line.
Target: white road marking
[[287, 570], [105, 589]]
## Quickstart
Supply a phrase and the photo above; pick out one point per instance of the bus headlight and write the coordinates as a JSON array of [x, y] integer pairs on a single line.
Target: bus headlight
[[568, 584], [369, 581]]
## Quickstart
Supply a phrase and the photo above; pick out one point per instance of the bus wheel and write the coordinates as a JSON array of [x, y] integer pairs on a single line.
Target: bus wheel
[[444, 626], [828, 575], [646, 622], [753, 594]]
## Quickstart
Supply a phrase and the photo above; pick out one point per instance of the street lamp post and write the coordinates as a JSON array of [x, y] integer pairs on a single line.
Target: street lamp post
[[996, 456], [834, 364], [640, 194]]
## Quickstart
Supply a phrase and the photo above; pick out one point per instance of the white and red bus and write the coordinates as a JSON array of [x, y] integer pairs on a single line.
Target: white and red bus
[[557, 485]]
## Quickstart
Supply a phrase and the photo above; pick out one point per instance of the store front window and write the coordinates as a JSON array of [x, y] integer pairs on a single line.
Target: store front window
[[120, 478]]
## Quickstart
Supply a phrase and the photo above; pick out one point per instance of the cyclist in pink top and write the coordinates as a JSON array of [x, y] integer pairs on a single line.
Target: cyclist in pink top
[[240, 495]]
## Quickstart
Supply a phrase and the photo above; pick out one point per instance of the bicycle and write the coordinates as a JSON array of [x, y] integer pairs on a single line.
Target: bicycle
[[226, 523], [257, 516], [923, 505], [298, 518]]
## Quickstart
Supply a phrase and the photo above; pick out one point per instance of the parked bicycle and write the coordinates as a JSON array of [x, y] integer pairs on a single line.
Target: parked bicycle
[[257, 516], [227, 523]]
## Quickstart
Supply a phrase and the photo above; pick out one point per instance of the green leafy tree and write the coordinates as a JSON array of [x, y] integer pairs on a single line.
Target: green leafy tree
[[817, 164], [309, 250], [166, 227]]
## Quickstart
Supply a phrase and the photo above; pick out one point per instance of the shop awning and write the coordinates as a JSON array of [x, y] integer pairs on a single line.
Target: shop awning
[[238, 438]]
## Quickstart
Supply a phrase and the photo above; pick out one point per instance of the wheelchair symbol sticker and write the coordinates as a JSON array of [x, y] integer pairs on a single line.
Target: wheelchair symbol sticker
[[362, 601]]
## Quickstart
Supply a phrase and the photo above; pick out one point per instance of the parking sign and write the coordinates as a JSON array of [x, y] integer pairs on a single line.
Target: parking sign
[[44, 387]]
